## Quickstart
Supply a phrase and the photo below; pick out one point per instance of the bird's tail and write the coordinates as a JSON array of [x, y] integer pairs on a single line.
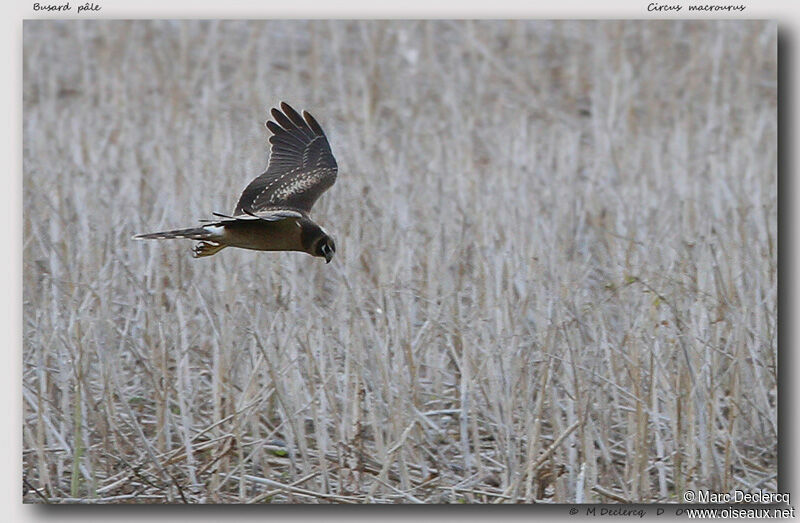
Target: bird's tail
[[195, 233], [209, 237]]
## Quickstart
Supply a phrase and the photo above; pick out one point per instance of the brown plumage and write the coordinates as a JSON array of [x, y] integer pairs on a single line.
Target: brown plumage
[[272, 213]]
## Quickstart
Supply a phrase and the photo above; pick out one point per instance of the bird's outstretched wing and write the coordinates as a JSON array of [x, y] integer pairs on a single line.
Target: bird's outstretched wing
[[301, 166]]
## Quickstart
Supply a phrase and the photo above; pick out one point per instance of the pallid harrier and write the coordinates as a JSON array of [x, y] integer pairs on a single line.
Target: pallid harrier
[[272, 213]]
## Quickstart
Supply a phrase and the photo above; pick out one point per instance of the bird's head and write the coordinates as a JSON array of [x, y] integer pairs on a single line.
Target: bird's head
[[316, 241]]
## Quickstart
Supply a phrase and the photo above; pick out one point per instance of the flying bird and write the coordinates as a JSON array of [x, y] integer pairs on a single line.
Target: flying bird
[[273, 211]]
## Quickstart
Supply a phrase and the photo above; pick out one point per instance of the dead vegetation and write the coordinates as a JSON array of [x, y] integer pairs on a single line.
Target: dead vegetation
[[556, 276]]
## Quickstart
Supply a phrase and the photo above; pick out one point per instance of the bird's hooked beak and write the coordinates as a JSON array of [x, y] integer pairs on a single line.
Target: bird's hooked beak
[[327, 252]]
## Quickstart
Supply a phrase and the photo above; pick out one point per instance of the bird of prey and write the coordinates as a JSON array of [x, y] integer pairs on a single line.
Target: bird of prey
[[273, 211]]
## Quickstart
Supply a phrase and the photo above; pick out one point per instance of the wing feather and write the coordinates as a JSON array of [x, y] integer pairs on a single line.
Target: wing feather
[[284, 121], [313, 124], [269, 215], [301, 166]]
